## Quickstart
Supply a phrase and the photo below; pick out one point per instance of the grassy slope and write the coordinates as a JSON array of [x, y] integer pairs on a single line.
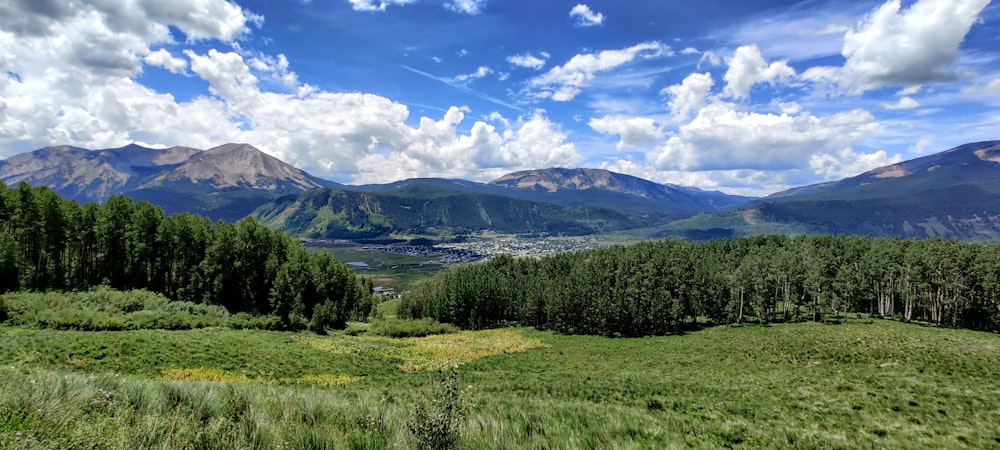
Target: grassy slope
[[881, 384]]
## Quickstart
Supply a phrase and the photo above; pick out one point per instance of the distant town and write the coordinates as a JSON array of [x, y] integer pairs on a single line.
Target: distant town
[[470, 251]]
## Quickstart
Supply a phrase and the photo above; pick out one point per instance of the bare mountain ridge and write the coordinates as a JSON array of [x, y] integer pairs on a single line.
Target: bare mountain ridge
[[225, 182], [94, 175]]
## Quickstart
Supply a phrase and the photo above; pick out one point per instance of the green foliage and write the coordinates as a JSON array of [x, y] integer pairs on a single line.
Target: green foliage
[[247, 321], [437, 425], [866, 383], [105, 309], [49, 244], [665, 287], [397, 328], [420, 208]]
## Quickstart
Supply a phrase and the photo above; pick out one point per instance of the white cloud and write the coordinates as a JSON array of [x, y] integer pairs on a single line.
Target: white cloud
[[903, 103], [635, 132], [435, 149], [709, 58], [163, 59], [585, 17], [991, 87], [528, 60], [892, 46], [747, 68], [723, 138], [689, 96], [471, 7], [921, 146], [98, 103], [690, 51], [373, 5], [847, 163], [564, 83], [480, 72]]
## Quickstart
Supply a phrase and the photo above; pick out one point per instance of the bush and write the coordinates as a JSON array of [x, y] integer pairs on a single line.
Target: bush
[[437, 425], [246, 321], [396, 328]]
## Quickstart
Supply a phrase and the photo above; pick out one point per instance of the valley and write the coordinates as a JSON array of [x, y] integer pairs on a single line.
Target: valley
[[543, 310]]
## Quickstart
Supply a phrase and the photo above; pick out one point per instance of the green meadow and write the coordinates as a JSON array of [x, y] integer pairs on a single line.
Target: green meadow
[[867, 383]]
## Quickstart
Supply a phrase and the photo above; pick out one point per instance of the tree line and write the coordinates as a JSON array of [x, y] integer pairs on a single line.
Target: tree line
[[49, 243], [663, 287]]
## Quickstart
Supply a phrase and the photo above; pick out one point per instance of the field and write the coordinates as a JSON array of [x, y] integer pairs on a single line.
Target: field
[[391, 270], [864, 384]]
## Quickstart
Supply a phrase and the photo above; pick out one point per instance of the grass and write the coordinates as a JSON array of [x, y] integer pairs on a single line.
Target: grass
[[862, 384]]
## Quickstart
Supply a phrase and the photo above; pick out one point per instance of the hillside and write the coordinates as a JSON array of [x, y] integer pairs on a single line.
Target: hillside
[[951, 194], [427, 208], [548, 201]]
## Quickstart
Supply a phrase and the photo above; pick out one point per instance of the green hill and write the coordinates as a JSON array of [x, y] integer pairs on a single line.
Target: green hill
[[428, 209]]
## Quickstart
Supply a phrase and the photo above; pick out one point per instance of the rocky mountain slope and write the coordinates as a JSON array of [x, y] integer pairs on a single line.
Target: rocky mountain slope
[[225, 182]]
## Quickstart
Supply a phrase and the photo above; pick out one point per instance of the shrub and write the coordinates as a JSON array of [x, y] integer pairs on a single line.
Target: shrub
[[437, 425], [396, 328]]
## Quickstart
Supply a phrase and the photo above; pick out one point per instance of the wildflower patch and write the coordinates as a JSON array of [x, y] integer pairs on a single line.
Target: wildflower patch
[[428, 353]]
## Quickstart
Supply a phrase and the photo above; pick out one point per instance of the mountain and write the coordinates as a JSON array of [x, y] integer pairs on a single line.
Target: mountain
[[549, 201], [427, 208], [585, 184], [952, 194], [225, 182]]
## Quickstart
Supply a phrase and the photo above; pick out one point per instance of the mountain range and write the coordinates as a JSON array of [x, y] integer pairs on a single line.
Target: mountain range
[[951, 194], [948, 194], [225, 183]]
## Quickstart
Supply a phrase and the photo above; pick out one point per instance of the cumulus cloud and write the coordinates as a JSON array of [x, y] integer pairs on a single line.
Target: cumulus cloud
[[99, 104], [563, 83], [634, 132], [689, 96], [892, 46], [471, 7], [529, 61], [722, 138], [436, 149], [585, 17], [848, 163], [163, 59], [903, 103], [747, 68]]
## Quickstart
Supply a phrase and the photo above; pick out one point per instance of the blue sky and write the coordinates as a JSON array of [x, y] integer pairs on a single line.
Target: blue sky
[[744, 97]]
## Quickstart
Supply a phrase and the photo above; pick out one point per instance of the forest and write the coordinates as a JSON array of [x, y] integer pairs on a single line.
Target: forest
[[665, 287], [48, 243]]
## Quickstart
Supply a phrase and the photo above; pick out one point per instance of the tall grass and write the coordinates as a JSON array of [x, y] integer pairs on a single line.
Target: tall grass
[[105, 309], [45, 410], [855, 385]]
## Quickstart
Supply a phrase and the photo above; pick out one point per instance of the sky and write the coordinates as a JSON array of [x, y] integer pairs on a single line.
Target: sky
[[747, 98]]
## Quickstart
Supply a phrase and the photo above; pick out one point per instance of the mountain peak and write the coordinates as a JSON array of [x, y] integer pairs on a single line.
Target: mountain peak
[[244, 166], [558, 178]]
